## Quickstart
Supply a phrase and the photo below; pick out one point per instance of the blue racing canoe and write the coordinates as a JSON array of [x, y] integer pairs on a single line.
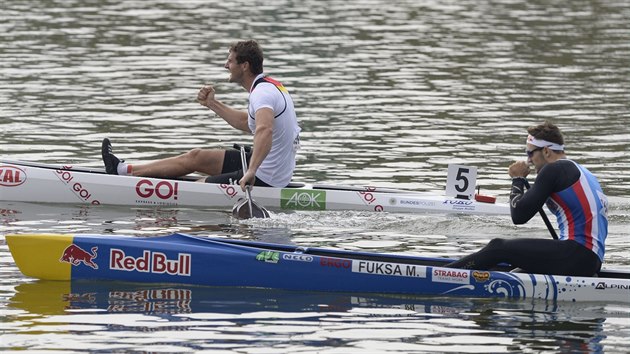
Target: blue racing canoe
[[185, 259]]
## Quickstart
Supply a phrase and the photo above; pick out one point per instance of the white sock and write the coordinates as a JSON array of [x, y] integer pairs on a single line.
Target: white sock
[[124, 169]]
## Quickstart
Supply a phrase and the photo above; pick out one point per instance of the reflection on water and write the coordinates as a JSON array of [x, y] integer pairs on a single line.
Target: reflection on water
[[211, 317], [387, 93]]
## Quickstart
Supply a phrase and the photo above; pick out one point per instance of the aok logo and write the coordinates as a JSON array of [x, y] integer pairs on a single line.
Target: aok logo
[[11, 176], [163, 189], [296, 199]]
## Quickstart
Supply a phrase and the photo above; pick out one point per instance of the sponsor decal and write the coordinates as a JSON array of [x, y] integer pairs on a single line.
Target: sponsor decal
[[268, 256], [603, 286], [384, 268], [228, 190], [415, 202], [150, 262], [369, 198], [297, 199], [11, 176], [297, 257], [335, 262], [76, 255], [449, 275], [460, 204], [480, 276], [164, 190], [77, 188]]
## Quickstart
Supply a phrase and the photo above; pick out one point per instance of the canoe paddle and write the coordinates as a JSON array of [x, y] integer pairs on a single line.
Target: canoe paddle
[[545, 218], [247, 208]]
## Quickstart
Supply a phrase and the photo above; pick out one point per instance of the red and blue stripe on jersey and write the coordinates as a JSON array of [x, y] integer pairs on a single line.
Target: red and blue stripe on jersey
[[581, 210]]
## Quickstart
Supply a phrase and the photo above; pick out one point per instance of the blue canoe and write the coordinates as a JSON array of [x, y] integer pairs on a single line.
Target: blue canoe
[[185, 259]]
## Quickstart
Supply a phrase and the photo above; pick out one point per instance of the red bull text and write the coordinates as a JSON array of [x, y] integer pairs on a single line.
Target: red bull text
[[150, 262]]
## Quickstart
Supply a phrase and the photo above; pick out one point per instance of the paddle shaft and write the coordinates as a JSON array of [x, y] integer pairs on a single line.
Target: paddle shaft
[[545, 218], [247, 189]]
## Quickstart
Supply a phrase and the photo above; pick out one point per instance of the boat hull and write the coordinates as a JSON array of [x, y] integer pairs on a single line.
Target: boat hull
[[187, 259], [30, 182]]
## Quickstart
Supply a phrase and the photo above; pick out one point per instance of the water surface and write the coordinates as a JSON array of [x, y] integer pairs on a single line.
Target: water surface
[[387, 93]]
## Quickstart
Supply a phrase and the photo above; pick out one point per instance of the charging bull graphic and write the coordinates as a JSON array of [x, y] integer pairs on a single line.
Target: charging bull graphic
[[74, 255]]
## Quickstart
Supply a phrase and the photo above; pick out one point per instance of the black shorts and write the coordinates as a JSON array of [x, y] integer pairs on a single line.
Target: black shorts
[[232, 170]]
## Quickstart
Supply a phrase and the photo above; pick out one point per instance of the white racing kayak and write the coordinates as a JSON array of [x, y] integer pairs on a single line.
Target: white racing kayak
[[37, 182]]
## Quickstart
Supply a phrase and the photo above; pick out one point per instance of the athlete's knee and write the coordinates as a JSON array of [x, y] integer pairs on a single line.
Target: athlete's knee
[[495, 243], [193, 153]]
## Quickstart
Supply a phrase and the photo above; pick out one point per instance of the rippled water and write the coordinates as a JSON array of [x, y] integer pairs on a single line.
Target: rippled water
[[387, 93]]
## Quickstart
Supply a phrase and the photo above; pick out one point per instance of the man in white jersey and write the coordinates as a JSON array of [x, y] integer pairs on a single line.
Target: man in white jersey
[[270, 117]]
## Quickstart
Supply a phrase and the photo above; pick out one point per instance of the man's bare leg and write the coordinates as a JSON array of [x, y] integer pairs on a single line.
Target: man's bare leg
[[209, 162], [196, 160]]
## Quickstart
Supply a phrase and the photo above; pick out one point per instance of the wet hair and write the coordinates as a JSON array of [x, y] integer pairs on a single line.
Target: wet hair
[[249, 51], [547, 131]]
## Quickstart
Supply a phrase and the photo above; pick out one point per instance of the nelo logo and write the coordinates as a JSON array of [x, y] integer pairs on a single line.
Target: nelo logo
[[11, 176], [162, 189]]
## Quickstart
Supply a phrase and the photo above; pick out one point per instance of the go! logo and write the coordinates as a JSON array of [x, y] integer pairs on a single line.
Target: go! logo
[[163, 189]]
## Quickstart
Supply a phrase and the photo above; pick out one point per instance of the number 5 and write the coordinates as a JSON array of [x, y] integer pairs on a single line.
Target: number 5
[[461, 176], [461, 181]]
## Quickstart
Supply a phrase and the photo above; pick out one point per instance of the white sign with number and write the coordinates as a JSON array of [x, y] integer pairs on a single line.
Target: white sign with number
[[461, 181]]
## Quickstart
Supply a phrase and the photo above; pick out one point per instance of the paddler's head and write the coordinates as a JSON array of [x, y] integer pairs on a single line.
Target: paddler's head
[[545, 144]]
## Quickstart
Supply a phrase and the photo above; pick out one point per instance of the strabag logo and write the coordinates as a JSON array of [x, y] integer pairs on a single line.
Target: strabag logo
[[452, 276], [297, 199], [11, 176], [150, 262]]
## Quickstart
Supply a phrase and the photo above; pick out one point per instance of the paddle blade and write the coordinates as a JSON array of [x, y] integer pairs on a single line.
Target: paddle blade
[[241, 210]]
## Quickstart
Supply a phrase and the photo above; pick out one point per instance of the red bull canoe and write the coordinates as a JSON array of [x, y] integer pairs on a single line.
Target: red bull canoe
[[193, 260], [43, 183]]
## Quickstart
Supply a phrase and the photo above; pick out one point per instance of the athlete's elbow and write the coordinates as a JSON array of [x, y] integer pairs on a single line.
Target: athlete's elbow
[[519, 219], [264, 131]]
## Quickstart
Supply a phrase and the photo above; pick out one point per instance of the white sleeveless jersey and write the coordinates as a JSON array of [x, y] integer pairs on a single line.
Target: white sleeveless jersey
[[277, 168]]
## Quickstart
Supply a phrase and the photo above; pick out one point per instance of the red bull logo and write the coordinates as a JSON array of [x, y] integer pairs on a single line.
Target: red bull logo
[[150, 262], [74, 255], [11, 176]]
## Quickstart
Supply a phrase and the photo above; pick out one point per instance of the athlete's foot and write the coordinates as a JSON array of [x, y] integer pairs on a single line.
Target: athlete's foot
[[109, 159]]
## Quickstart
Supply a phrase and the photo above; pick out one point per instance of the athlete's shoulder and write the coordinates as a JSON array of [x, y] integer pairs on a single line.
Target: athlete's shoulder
[[559, 174], [560, 165]]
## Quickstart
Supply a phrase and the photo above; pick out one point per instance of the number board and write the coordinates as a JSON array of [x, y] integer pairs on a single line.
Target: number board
[[461, 181]]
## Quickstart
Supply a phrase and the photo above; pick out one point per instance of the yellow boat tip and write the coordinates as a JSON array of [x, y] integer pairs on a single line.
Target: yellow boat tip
[[38, 255]]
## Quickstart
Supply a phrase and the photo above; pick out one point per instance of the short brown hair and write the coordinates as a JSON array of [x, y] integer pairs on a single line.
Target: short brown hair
[[249, 51], [547, 131]]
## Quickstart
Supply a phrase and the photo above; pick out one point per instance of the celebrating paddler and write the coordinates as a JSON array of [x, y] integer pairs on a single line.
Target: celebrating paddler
[[270, 117], [571, 192]]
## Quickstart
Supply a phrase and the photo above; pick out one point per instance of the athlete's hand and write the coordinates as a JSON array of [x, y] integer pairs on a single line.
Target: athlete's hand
[[519, 169], [205, 96], [248, 179]]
